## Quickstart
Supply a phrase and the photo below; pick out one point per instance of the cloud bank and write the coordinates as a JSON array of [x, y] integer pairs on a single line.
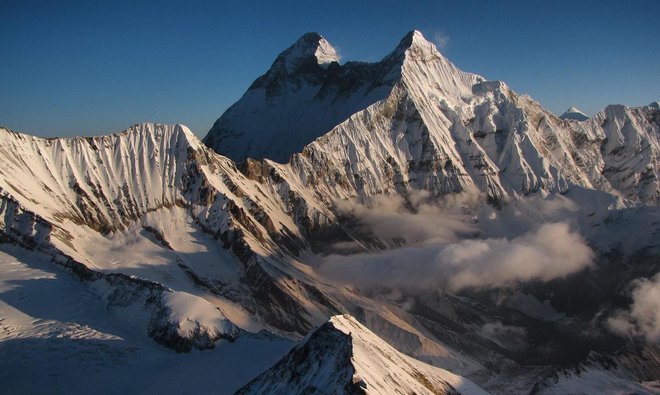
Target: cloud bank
[[415, 220], [643, 317], [441, 252]]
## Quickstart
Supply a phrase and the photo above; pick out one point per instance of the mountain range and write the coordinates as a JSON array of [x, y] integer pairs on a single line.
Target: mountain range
[[478, 241]]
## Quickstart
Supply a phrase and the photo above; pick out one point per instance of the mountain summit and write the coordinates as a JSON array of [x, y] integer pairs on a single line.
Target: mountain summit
[[306, 92], [574, 114], [311, 46], [415, 39], [415, 121]]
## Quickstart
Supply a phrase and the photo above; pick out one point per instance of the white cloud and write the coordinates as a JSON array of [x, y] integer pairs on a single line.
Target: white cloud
[[415, 219], [441, 40], [552, 251], [455, 242], [643, 316]]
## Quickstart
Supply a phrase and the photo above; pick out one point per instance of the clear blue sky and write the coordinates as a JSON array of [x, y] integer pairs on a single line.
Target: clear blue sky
[[94, 67]]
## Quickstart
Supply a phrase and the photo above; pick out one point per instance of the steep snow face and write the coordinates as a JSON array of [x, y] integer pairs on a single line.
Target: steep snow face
[[630, 150], [438, 128], [154, 203], [386, 148], [574, 114], [102, 182], [311, 47], [494, 141], [109, 183], [343, 356], [306, 93], [424, 68]]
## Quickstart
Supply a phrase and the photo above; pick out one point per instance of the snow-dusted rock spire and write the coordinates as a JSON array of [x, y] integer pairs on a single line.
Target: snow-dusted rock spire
[[310, 47], [344, 357], [415, 42], [575, 114]]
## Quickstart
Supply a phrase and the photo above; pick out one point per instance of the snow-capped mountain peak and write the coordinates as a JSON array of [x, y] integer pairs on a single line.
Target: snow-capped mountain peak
[[311, 46], [300, 99], [326, 53], [575, 114], [343, 356], [415, 43]]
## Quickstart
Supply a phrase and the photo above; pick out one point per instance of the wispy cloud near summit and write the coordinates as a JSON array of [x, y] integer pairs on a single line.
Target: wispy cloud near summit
[[441, 40]]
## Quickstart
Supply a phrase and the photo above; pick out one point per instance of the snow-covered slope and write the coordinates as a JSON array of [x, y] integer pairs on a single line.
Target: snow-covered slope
[[307, 92], [102, 182], [344, 357], [574, 114], [444, 130], [423, 137], [58, 335], [154, 203]]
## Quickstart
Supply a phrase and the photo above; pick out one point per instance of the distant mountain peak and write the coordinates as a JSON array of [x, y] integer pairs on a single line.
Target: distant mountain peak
[[413, 38], [415, 42], [310, 46], [575, 114], [302, 99]]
